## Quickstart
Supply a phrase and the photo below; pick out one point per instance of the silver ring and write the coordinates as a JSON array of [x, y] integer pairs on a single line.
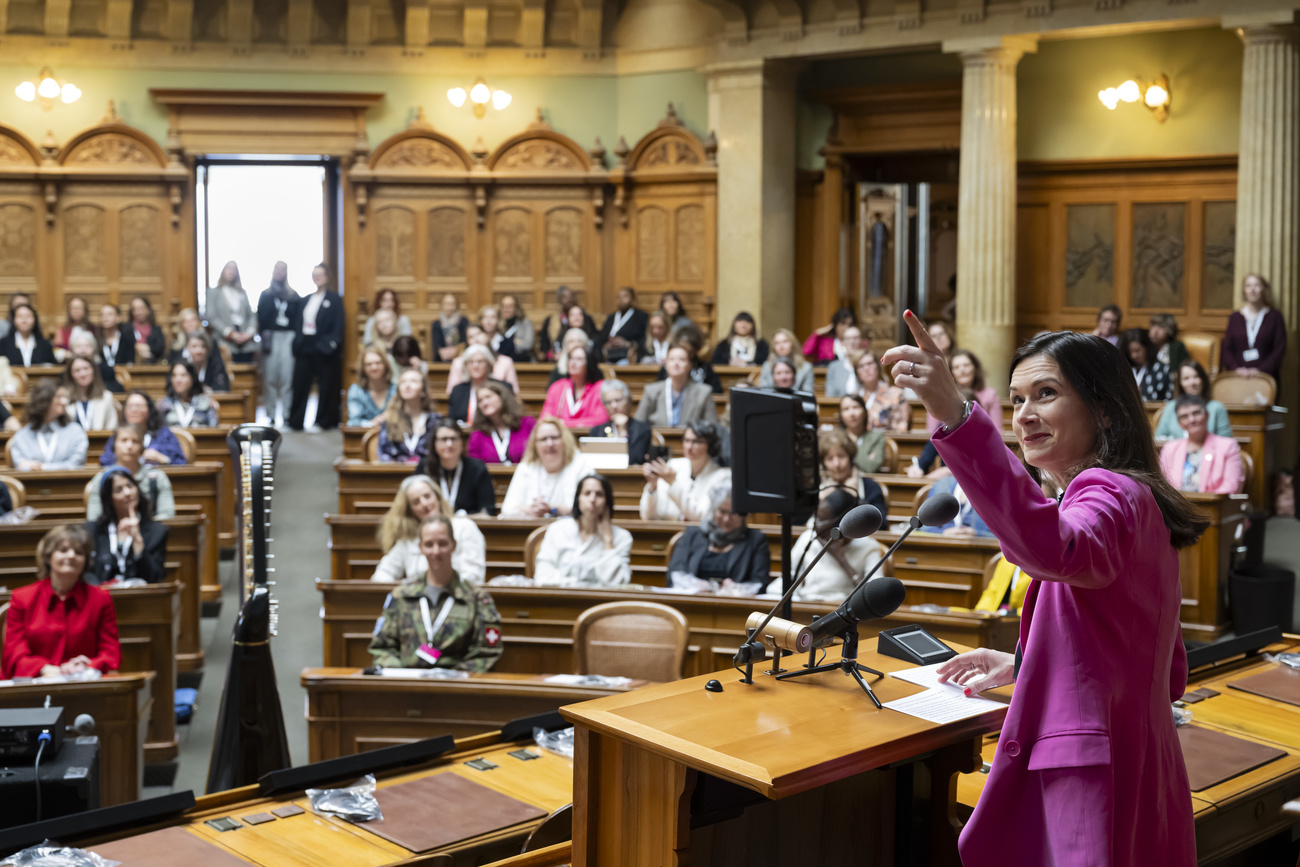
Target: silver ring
[[911, 370]]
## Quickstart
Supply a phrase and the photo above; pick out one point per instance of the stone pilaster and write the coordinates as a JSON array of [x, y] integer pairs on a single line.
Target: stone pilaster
[[986, 205]]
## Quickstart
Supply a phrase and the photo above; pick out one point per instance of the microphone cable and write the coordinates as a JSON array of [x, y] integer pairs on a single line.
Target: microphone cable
[[44, 738]]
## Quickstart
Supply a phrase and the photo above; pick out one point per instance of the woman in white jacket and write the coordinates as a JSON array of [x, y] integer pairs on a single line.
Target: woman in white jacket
[[586, 549], [418, 498], [89, 404]]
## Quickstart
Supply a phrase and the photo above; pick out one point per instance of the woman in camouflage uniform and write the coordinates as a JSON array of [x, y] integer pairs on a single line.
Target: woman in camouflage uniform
[[441, 622]]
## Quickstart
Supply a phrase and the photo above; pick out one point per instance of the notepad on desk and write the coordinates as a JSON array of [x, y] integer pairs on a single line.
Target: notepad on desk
[[941, 702]]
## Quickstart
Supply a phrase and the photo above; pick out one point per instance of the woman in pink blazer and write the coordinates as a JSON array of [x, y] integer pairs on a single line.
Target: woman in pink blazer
[[823, 346], [575, 399], [1215, 467], [1088, 769]]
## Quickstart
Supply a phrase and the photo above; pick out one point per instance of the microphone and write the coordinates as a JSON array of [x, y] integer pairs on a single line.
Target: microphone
[[786, 634], [869, 602], [858, 523], [84, 724]]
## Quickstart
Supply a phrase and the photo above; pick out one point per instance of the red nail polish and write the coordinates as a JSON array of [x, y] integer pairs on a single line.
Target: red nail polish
[[966, 690]]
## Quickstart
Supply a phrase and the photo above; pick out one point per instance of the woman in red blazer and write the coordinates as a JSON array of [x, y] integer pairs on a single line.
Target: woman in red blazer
[[61, 624]]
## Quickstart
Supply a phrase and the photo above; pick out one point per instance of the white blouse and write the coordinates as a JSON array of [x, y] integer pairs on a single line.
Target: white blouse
[[405, 562], [565, 560], [531, 480], [97, 414], [827, 580], [686, 499]]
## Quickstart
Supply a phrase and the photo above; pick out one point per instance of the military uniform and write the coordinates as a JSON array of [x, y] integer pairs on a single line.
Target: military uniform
[[469, 637]]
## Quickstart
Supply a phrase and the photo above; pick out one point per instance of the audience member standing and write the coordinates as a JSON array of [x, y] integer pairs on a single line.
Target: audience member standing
[[623, 334], [230, 316], [1256, 337], [316, 353], [277, 309]]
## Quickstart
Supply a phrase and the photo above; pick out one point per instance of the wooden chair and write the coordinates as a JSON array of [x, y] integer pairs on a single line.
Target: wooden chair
[[17, 491], [4, 610], [1247, 469], [9, 451], [1231, 387], [890, 462], [990, 567], [884, 492], [187, 443], [225, 353], [555, 828], [921, 493], [370, 445], [1203, 348], [20, 376], [672, 545], [531, 544], [631, 639], [657, 439], [123, 378]]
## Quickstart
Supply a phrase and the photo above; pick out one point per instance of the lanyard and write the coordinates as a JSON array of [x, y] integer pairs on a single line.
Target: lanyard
[[148, 438], [431, 628], [502, 445], [110, 350], [184, 413], [620, 319], [47, 442], [139, 338], [30, 346], [574, 403], [412, 441], [661, 350], [510, 332], [82, 408], [282, 310], [118, 549], [473, 405], [1252, 327], [668, 402], [871, 398], [450, 495]]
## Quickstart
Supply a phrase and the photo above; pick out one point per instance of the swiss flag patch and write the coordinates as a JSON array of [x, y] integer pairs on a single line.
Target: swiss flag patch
[[493, 636]]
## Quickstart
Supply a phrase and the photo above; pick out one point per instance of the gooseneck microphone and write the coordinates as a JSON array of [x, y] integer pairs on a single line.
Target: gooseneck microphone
[[859, 523], [871, 600]]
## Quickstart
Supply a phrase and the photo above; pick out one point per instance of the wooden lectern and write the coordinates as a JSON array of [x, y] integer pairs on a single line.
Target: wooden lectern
[[773, 773]]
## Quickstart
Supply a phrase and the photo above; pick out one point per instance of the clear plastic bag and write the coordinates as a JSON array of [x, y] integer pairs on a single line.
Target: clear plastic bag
[[356, 803], [49, 854], [20, 515], [1182, 716], [510, 581], [558, 742]]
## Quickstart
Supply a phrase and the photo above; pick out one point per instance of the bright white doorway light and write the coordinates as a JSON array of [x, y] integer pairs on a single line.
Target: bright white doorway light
[[258, 215]]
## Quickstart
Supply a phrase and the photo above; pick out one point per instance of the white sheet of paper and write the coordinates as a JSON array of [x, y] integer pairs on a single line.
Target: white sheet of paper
[[942, 704], [923, 675]]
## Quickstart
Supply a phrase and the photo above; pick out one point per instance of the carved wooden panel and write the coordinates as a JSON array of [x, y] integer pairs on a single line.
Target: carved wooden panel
[[12, 153], [512, 243], [18, 227], [447, 242], [1089, 255], [688, 237], [394, 242], [538, 155], [110, 149], [1218, 255], [139, 227], [1159, 239], [419, 153], [83, 241], [652, 245], [564, 243]]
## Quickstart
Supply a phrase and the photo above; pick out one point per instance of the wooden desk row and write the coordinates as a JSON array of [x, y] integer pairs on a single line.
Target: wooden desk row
[[153, 378]]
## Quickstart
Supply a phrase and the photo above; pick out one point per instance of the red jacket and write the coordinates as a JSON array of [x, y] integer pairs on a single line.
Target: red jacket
[[41, 629]]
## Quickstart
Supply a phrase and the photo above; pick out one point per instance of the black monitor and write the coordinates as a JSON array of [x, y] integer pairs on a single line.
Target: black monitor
[[773, 451]]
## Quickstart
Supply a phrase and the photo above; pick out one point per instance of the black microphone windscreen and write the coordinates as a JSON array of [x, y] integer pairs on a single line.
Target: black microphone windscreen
[[861, 522], [938, 510], [879, 598]]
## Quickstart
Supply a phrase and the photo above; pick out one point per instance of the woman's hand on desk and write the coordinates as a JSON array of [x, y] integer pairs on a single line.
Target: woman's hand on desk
[[979, 670], [924, 369]]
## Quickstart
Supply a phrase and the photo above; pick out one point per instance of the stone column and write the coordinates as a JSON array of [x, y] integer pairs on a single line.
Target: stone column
[[1268, 172], [986, 204], [752, 112]]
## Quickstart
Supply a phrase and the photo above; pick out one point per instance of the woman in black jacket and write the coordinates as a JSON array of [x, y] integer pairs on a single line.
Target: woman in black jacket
[[465, 482], [129, 543], [617, 401], [723, 548], [25, 345]]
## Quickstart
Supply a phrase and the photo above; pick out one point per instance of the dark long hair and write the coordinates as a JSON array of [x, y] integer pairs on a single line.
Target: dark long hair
[[108, 514], [604, 485], [151, 423], [1137, 335], [1101, 375], [195, 387]]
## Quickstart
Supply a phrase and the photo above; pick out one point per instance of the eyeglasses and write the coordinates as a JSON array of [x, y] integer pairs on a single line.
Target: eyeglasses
[[548, 440]]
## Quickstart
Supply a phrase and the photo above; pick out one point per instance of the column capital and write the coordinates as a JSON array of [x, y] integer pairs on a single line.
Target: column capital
[[979, 50], [744, 74], [1262, 21]]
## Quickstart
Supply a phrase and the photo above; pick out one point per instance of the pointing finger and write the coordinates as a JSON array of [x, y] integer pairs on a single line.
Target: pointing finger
[[919, 331]]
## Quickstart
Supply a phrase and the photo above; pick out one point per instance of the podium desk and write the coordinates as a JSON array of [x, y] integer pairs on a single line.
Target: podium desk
[[349, 712], [773, 773], [120, 704]]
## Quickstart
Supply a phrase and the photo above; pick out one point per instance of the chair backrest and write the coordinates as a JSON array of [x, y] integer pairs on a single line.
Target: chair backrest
[[555, 828], [884, 492], [123, 378], [20, 376], [990, 567], [225, 354], [370, 444], [1232, 388], [531, 544], [9, 452], [187, 443], [1203, 348], [631, 639], [657, 438], [890, 462], [921, 494], [17, 491], [4, 609], [1247, 469], [672, 545]]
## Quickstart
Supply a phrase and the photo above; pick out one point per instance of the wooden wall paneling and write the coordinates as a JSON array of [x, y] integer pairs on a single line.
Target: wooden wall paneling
[[807, 228], [666, 202], [24, 239]]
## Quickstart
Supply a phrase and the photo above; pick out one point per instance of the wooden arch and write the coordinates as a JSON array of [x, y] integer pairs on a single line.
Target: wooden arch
[[670, 146], [112, 143], [420, 148], [17, 150], [539, 149]]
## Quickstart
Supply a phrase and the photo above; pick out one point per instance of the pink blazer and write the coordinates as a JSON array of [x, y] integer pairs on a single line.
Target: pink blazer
[[482, 447], [1088, 770], [1221, 469], [589, 413], [819, 347]]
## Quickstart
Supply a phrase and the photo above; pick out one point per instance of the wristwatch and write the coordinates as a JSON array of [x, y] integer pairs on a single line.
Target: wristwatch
[[966, 409]]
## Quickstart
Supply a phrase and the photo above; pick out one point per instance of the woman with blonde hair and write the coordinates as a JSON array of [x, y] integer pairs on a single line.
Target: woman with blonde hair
[[187, 322], [374, 388], [547, 478], [1255, 340], [489, 320], [417, 498], [887, 408], [407, 425], [786, 345]]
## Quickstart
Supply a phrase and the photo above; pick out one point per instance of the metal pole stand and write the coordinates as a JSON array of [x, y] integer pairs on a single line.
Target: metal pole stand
[[848, 664]]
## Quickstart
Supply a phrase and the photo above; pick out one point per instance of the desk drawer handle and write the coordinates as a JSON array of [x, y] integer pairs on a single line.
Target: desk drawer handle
[[659, 546], [911, 559], [523, 615]]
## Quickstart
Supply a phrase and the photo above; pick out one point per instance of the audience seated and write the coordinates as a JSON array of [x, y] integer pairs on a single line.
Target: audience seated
[[556, 327], [1108, 320], [827, 343], [573, 338], [943, 335], [723, 548], [187, 322], [870, 443], [499, 432], [60, 625], [476, 369], [838, 452], [1192, 379], [7, 324], [116, 338], [784, 345], [129, 543], [783, 373], [547, 479], [586, 549], [1255, 339], [575, 399], [845, 561], [385, 299], [617, 401], [84, 343], [489, 323], [501, 366], [48, 440], [187, 403], [670, 305], [207, 362], [383, 331], [374, 388], [127, 452], [150, 343], [25, 345], [1153, 379], [76, 318], [841, 378], [658, 339], [1162, 330], [465, 481], [969, 373], [692, 339], [886, 408], [448, 330], [742, 347], [678, 489], [440, 622], [89, 404], [8, 421], [1201, 461], [623, 333], [418, 497], [967, 522], [407, 424], [160, 445], [518, 328], [676, 401], [405, 355]]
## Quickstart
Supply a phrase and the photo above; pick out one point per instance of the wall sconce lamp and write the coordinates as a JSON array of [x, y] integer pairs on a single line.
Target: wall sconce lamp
[[47, 88], [479, 96], [1153, 94]]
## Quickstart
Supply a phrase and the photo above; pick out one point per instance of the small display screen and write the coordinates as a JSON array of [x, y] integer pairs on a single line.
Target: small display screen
[[921, 643]]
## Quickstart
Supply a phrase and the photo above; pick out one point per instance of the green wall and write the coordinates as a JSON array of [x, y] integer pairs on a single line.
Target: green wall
[[581, 107], [1059, 115]]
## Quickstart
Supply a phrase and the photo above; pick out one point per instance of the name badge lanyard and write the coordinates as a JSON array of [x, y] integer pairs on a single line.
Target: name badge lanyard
[[502, 445], [574, 403], [412, 442], [450, 495], [431, 627], [1252, 328], [119, 549], [47, 442], [620, 319], [185, 413], [110, 351], [82, 409], [281, 314]]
